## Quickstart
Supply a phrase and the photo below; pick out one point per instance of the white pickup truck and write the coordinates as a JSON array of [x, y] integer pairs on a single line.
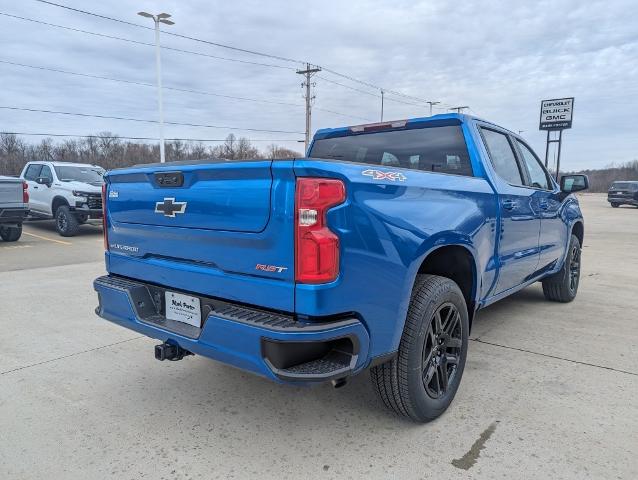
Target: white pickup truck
[[70, 193], [14, 207]]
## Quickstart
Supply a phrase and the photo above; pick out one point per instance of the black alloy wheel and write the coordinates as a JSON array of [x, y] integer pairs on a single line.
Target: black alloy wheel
[[442, 350]]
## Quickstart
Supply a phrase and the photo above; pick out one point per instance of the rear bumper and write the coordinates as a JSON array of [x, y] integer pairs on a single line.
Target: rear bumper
[[622, 200], [270, 344], [13, 216]]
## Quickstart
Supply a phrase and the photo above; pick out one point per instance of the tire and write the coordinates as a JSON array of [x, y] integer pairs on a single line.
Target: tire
[[11, 234], [401, 382], [614, 205], [65, 222], [563, 285]]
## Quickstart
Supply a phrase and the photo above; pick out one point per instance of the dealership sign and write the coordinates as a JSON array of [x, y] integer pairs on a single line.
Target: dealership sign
[[556, 114]]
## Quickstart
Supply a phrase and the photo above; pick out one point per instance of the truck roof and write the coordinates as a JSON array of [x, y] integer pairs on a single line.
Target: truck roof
[[64, 164], [417, 122]]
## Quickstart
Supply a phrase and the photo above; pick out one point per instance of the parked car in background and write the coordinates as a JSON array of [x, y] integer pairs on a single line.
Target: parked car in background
[[375, 251], [14, 207], [623, 193], [70, 193]]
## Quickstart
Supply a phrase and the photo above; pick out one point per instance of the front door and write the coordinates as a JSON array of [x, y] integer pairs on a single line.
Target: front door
[[518, 241], [547, 200]]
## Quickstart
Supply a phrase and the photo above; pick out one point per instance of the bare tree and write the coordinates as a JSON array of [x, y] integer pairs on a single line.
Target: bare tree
[[110, 151], [274, 151]]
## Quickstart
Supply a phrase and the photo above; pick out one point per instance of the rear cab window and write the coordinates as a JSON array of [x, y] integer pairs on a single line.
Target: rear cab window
[[438, 149]]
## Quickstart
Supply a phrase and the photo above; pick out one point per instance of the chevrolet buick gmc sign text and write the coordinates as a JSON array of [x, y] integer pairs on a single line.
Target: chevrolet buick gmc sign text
[[556, 114]]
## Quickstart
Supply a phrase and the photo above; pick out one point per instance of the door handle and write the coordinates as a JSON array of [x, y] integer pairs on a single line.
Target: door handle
[[509, 204]]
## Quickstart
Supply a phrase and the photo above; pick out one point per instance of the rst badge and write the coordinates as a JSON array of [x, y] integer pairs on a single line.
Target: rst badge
[[169, 207], [270, 268], [379, 175]]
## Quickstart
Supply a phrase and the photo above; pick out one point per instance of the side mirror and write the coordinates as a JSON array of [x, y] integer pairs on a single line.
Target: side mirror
[[43, 181], [573, 183]]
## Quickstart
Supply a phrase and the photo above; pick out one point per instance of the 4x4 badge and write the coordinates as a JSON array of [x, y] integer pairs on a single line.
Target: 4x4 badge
[[379, 175], [169, 207]]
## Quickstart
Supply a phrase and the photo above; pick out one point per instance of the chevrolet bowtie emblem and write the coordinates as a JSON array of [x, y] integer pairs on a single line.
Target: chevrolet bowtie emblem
[[169, 207]]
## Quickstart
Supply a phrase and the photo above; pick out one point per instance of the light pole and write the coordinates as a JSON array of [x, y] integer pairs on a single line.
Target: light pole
[[431, 105], [163, 18]]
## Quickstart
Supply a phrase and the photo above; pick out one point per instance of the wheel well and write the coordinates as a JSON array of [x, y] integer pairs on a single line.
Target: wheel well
[[457, 264], [57, 203], [579, 231]]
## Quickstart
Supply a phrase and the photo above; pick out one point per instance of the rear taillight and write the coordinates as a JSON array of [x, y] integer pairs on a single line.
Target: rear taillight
[[104, 233], [316, 246], [25, 192]]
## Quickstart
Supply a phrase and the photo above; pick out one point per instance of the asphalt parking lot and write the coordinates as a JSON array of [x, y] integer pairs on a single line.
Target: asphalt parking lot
[[549, 391]]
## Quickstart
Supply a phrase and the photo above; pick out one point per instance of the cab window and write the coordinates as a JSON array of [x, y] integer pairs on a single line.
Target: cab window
[[537, 174], [46, 173], [502, 156]]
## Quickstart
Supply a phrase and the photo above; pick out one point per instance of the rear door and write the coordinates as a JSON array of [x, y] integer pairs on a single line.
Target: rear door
[[35, 190], [518, 242]]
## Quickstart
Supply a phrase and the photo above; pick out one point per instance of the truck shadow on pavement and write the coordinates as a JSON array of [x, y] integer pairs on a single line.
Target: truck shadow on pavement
[[47, 227]]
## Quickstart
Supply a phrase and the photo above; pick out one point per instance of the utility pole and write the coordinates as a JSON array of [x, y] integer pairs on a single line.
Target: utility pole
[[431, 104], [382, 94], [159, 18], [308, 72], [459, 109]]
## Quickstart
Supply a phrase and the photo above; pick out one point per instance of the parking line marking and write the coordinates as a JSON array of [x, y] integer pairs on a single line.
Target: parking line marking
[[47, 238]]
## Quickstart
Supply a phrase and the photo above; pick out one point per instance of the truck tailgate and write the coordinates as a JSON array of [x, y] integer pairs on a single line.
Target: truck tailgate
[[223, 229], [10, 191], [232, 196]]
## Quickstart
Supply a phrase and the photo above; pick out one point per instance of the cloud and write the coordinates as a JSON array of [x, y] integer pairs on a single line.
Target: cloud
[[501, 58]]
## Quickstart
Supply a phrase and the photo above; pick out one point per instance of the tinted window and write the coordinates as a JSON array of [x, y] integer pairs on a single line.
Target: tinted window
[[33, 172], [433, 149], [502, 156], [624, 186], [79, 174], [537, 175], [46, 173]]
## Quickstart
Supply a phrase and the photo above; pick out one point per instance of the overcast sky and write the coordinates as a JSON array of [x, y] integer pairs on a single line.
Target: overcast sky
[[500, 58]]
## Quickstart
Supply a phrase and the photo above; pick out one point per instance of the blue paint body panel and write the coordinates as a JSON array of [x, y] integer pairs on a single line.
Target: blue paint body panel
[[241, 214]]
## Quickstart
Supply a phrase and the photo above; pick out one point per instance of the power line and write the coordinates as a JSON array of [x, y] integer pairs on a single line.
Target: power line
[[137, 42], [186, 90], [138, 138], [221, 45], [252, 52], [143, 120], [368, 93]]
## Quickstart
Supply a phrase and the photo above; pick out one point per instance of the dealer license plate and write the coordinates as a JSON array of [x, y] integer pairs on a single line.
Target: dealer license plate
[[183, 308]]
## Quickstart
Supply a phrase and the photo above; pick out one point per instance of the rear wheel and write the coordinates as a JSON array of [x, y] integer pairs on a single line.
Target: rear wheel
[[563, 286], [11, 234], [614, 205], [421, 381], [65, 222]]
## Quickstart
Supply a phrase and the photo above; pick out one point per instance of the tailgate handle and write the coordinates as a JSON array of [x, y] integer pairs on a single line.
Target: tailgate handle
[[169, 179]]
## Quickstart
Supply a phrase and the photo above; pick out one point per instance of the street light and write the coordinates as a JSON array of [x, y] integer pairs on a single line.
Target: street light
[[159, 18]]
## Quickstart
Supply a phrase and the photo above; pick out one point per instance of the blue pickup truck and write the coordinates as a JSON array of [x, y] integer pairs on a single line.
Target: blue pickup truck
[[376, 251]]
